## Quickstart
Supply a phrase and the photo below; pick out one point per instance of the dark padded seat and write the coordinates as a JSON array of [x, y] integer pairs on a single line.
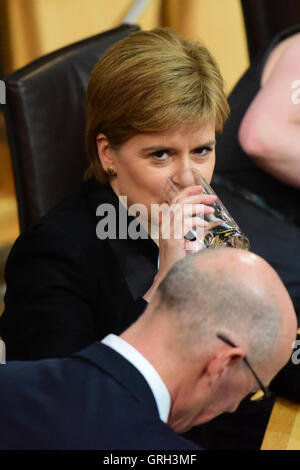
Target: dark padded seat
[[45, 122]]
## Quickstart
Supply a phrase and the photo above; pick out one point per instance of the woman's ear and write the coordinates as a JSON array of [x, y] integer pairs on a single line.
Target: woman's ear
[[105, 152]]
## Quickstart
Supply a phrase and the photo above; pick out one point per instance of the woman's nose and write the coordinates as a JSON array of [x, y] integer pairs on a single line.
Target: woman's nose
[[184, 163], [184, 177], [183, 171]]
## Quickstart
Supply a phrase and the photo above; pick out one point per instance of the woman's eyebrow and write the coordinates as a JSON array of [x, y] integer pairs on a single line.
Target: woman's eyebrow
[[165, 147], [157, 147], [207, 144]]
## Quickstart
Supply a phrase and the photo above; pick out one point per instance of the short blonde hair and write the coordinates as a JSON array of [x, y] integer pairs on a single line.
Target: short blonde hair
[[151, 81]]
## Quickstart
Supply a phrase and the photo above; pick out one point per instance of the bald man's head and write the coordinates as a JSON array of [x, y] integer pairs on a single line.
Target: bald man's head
[[220, 290], [232, 291]]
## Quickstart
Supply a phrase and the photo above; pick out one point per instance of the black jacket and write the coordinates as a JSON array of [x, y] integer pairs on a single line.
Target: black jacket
[[94, 399], [67, 288]]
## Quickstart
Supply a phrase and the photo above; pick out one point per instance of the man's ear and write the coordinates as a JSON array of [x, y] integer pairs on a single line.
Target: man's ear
[[223, 363], [105, 152]]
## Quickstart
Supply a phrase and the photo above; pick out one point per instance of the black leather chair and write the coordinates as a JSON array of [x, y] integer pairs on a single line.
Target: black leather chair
[[45, 122]]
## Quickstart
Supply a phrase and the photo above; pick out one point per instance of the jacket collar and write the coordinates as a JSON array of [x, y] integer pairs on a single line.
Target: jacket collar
[[137, 258], [115, 365]]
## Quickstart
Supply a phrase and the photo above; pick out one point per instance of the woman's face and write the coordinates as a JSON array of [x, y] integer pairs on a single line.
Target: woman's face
[[144, 163]]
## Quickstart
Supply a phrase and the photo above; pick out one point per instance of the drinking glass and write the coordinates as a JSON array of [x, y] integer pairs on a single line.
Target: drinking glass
[[221, 230]]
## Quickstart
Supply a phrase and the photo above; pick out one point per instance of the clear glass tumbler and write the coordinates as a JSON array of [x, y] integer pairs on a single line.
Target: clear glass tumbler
[[222, 230]]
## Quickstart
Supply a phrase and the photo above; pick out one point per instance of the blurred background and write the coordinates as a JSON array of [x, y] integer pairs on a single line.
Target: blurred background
[[233, 30]]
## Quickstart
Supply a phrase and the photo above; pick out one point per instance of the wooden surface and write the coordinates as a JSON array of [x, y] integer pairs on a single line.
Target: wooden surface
[[283, 431]]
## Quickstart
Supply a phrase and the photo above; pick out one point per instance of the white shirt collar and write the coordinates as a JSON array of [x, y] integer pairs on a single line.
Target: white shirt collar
[[155, 382]]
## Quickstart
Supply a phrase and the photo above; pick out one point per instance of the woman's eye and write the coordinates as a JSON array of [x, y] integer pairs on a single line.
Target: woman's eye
[[202, 151], [160, 155]]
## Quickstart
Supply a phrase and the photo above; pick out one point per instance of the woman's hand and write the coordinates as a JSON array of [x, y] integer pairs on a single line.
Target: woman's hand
[[185, 212]]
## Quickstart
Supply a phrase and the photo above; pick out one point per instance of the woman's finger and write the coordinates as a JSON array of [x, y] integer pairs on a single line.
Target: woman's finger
[[173, 193]]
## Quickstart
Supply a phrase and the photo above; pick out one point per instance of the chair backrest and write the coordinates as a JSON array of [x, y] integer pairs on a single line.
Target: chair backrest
[[45, 121]]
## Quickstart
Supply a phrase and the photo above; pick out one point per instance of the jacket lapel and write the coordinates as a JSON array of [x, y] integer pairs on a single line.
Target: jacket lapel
[[112, 363], [137, 258]]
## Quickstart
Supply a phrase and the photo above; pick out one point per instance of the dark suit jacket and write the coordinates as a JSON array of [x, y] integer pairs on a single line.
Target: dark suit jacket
[[65, 287], [94, 399]]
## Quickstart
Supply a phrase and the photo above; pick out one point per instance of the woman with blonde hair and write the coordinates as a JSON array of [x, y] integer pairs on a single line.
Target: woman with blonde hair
[[154, 103]]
